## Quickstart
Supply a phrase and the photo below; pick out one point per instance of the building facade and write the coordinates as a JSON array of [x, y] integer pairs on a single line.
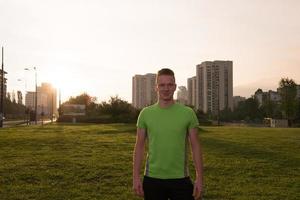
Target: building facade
[[143, 90], [264, 97], [30, 100], [214, 86], [46, 100], [191, 84], [182, 95]]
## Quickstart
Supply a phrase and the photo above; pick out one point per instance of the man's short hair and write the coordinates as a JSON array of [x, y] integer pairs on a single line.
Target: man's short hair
[[165, 71]]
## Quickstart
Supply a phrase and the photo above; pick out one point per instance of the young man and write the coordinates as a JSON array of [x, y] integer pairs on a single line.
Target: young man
[[167, 126]]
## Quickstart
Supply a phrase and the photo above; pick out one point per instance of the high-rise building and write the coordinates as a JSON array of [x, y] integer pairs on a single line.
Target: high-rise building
[[214, 86], [191, 83], [263, 97], [182, 95], [30, 100], [46, 100], [143, 90]]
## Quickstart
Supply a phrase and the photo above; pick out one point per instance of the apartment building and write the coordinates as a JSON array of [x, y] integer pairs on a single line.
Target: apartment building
[[191, 84], [263, 97], [46, 100], [214, 86], [182, 95], [143, 90]]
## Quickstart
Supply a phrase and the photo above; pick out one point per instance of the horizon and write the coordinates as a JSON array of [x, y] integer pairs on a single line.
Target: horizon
[[97, 47], [264, 87]]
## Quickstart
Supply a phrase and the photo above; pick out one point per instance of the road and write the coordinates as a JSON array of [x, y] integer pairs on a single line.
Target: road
[[22, 123]]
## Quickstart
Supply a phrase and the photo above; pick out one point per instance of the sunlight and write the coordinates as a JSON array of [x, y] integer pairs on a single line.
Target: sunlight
[[67, 83]]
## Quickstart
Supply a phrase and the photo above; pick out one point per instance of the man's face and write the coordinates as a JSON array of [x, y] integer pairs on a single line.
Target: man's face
[[165, 87]]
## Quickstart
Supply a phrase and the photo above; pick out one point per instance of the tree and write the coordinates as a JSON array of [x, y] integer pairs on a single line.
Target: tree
[[118, 109], [298, 111], [248, 110], [288, 92], [84, 99], [226, 115], [13, 110], [258, 91], [270, 109]]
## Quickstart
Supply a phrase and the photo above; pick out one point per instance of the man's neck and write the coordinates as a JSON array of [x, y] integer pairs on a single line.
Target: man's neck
[[165, 104]]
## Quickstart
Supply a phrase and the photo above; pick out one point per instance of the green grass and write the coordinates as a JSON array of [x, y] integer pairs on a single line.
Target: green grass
[[61, 162]]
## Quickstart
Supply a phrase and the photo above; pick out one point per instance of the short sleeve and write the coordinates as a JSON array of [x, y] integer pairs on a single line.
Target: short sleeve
[[141, 122], [194, 120]]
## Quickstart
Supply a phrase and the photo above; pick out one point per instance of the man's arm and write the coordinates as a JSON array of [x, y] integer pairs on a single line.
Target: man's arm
[[137, 161], [198, 162]]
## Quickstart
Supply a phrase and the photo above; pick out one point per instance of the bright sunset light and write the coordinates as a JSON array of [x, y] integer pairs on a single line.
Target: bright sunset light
[[99, 46], [65, 81]]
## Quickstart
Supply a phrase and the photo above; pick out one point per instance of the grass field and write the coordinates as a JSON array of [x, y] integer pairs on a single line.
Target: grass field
[[61, 162]]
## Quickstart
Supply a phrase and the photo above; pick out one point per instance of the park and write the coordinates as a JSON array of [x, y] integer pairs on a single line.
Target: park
[[94, 161]]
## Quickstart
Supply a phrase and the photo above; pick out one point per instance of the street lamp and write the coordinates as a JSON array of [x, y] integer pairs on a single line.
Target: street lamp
[[52, 105], [2, 93], [20, 80], [27, 109], [35, 103]]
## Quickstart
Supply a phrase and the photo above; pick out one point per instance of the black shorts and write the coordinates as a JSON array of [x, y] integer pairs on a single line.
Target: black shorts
[[164, 189]]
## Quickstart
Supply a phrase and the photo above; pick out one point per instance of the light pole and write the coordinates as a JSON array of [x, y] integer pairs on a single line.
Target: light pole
[[35, 99], [2, 92], [52, 105], [35, 103], [27, 109], [59, 102], [20, 80]]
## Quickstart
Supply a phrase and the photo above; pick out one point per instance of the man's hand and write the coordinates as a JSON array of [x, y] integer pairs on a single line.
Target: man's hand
[[197, 157], [197, 193], [138, 187], [137, 161]]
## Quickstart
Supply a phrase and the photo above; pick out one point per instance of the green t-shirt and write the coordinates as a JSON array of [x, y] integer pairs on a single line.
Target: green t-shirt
[[167, 131]]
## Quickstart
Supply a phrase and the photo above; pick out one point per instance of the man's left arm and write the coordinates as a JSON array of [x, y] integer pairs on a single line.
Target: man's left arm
[[198, 162]]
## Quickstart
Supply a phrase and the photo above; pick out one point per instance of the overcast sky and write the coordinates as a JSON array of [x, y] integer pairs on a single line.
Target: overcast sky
[[96, 46]]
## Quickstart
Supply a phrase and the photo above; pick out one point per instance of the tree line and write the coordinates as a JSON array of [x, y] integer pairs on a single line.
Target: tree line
[[13, 109], [250, 110], [114, 110]]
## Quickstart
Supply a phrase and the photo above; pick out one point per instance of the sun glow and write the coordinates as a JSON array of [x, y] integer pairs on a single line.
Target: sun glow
[[66, 82]]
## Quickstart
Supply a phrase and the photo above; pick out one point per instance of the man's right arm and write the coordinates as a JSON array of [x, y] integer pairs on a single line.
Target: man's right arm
[[137, 160]]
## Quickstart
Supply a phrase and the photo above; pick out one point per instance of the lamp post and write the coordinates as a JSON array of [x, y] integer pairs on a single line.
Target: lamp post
[[2, 93], [52, 105], [27, 109], [20, 80], [35, 103], [59, 103]]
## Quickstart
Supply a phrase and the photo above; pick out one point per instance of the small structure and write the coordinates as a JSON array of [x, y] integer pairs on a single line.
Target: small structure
[[73, 110], [283, 123], [275, 123]]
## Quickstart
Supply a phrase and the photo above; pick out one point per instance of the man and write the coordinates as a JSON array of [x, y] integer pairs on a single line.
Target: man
[[167, 126]]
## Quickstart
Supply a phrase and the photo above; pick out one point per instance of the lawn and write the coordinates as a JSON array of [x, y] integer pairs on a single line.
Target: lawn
[[62, 162]]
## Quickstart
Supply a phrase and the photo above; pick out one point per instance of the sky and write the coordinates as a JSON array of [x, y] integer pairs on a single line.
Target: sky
[[97, 46]]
